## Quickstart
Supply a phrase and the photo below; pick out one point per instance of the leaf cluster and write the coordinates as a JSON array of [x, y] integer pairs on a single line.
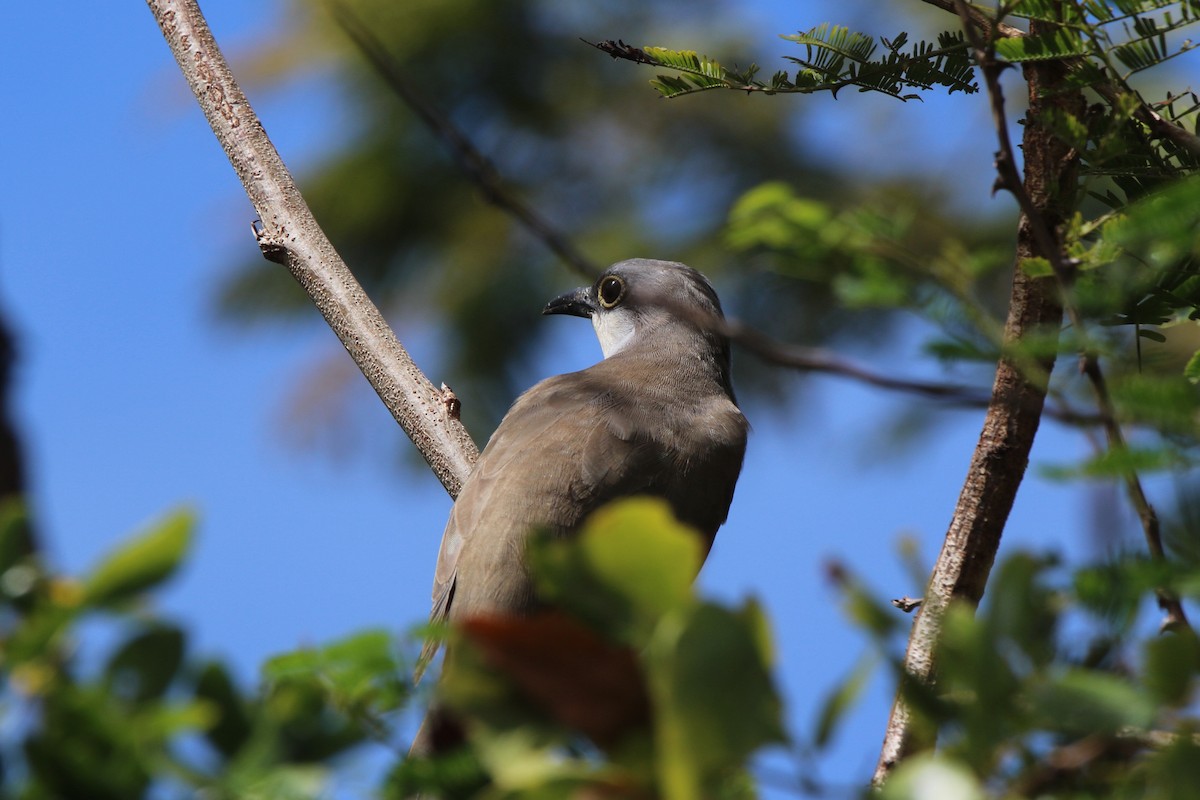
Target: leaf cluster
[[836, 57], [1053, 688], [146, 719], [632, 685]]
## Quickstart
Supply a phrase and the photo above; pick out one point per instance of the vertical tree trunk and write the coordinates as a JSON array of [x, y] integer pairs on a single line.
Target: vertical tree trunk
[[1018, 394]]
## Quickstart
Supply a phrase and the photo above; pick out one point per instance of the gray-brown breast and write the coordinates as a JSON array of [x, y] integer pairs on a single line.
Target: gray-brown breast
[[571, 444]]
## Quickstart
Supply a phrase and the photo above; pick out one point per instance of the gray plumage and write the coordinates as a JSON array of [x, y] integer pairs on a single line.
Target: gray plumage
[[656, 417]]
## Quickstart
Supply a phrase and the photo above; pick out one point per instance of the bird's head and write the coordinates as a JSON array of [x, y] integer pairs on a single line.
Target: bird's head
[[638, 298]]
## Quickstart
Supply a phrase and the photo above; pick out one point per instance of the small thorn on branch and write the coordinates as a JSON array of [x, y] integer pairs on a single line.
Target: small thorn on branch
[[451, 402], [907, 604], [272, 250]]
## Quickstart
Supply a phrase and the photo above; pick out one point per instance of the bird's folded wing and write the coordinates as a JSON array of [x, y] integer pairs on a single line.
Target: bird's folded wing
[[560, 452]]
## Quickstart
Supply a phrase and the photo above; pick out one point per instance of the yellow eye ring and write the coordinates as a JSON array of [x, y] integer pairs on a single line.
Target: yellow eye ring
[[610, 290]]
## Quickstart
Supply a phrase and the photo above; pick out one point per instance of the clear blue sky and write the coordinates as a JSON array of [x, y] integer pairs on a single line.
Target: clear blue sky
[[118, 214]]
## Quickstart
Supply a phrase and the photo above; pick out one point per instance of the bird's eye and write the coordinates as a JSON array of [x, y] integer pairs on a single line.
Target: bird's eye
[[610, 291]]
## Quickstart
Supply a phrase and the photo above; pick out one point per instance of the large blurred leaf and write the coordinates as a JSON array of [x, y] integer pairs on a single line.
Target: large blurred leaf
[[640, 550], [360, 673], [714, 699], [1171, 664], [927, 777], [631, 563], [1082, 702], [85, 746], [141, 563], [146, 663], [231, 724]]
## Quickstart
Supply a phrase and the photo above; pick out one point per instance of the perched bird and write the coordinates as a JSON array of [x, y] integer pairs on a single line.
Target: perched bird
[[656, 417]]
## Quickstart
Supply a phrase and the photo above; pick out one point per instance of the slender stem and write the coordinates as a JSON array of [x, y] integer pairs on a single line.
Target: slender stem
[[478, 167], [290, 236]]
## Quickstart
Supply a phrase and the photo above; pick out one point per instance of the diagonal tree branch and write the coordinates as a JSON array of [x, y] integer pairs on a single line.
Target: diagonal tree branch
[[290, 236]]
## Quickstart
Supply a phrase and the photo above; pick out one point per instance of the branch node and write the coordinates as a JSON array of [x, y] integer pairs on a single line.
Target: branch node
[[908, 604]]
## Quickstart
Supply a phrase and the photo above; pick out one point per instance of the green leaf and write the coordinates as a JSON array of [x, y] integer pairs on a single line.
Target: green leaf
[[842, 699], [358, 673], [1119, 463], [230, 725], [639, 549], [773, 216], [1171, 662], [1083, 702], [1021, 610], [1058, 43], [1037, 267], [1192, 370], [1115, 590], [145, 665], [713, 695], [631, 563], [141, 563]]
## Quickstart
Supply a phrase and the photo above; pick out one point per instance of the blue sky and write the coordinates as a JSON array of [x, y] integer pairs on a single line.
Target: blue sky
[[118, 215]]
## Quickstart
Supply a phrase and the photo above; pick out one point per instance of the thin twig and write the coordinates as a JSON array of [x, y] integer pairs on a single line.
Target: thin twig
[[1176, 618], [820, 360], [290, 235], [478, 167]]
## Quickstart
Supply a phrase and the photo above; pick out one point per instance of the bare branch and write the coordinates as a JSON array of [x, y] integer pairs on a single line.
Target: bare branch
[[290, 235], [1168, 601]]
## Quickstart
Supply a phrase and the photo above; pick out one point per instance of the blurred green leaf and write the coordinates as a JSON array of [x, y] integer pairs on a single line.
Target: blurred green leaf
[[631, 563], [638, 548], [1162, 228], [713, 695], [141, 563], [1082, 702], [1171, 664], [1021, 609], [359, 672], [1192, 370], [1119, 463], [1115, 590], [843, 697], [978, 683], [1036, 267], [1172, 772], [86, 746], [231, 724], [146, 663]]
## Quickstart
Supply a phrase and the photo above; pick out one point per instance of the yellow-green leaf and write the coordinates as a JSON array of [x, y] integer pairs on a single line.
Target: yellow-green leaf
[[142, 562]]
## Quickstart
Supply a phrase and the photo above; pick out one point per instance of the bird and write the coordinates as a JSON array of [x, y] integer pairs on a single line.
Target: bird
[[656, 416]]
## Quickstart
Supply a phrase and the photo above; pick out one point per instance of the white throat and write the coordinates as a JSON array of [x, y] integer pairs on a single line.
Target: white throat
[[614, 330]]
